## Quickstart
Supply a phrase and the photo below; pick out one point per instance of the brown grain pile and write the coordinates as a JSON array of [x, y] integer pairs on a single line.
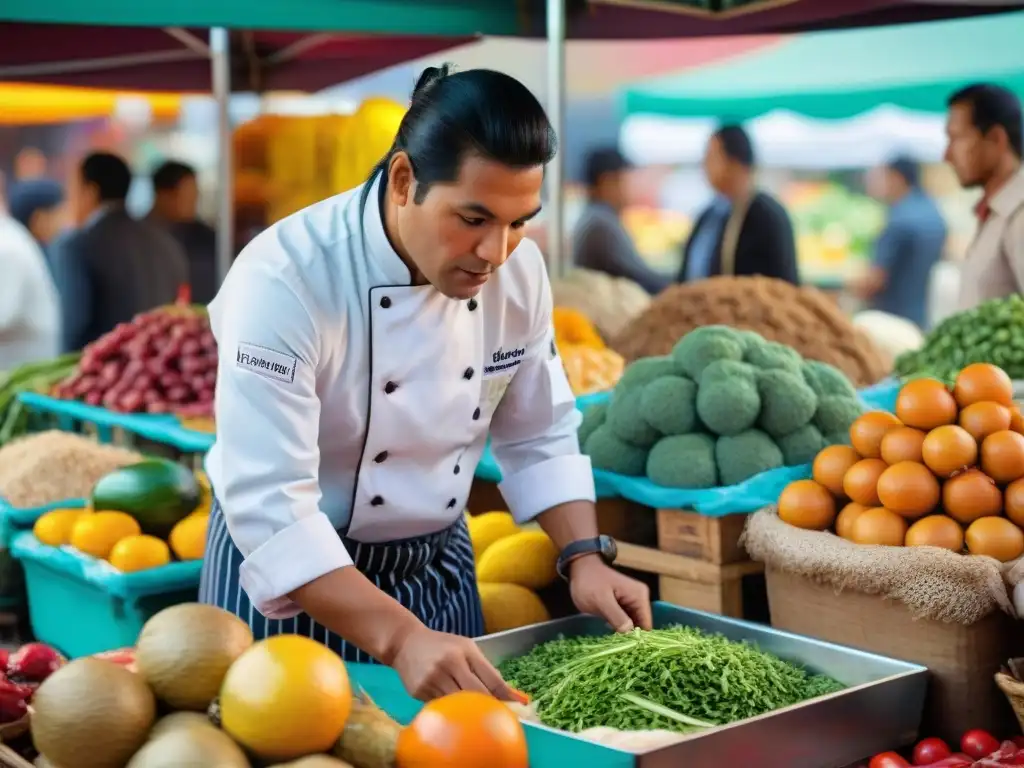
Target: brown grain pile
[[49, 467], [800, 317]]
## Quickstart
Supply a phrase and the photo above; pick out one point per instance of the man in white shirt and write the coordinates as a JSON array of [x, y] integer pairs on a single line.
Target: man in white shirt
[[368, 346], [29, 305]]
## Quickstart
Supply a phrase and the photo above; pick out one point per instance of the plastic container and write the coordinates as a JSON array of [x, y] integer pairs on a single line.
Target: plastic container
[[81, 605]]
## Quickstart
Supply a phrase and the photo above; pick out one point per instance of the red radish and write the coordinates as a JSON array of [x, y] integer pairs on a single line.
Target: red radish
[[930, 751], [978, 743], [33, 662]]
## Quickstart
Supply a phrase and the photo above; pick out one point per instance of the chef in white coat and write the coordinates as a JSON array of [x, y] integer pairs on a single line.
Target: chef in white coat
[[368, 346]]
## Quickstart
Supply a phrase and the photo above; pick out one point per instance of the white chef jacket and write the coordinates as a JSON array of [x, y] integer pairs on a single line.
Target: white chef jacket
[[29, 304], [348, 397]]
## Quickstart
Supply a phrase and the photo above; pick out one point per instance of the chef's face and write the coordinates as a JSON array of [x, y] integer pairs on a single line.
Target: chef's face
[[463, 231]]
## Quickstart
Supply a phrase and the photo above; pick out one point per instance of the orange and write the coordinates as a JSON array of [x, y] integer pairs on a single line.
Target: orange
[[286, 697], [139, 553], [925, 404], [982, 419], [971, 495], [188, 537], [879, 526], [847, 517], [902, 444], [1002, 456], [830, 466], [463, 730], [806, 504], [908, 489], [1013, 502], [861, 481], [948, 449], [980, 382], [97, 533], [867, 431]]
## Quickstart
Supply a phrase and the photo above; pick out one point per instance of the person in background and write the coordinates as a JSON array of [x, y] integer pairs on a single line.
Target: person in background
[[37, 205], [113, 266], [985, 129], [176, 199], [744, 231], [29, 305], [908, 248], [601, 242], [30, 163]]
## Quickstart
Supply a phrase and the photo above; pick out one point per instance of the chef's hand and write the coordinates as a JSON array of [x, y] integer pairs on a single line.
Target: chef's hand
[[432, 664], [602, 591]]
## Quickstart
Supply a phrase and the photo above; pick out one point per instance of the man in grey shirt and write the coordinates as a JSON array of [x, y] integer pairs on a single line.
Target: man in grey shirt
[[600, 241]]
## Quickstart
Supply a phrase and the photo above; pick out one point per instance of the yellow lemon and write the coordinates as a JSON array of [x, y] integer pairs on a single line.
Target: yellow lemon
[[205, 494], [138, 553], [97, 533], [54, 527], [489, 527], [188, 538], [285, 697]]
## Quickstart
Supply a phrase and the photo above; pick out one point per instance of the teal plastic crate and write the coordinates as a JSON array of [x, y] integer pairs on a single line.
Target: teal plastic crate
[[81, 605]]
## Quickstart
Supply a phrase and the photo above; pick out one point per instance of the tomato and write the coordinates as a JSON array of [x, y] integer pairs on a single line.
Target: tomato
[[888, 760], [930, 751], [1019, 741], [978, 744]]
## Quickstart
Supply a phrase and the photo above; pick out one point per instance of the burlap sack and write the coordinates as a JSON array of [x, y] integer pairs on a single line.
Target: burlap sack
[[933, 583]]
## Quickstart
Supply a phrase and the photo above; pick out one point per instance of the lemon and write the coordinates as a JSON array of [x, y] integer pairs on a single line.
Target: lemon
[[205, 494], [97, 533], [489, 527], [286, 697], [137, 553], [188, 538], [54, 528]]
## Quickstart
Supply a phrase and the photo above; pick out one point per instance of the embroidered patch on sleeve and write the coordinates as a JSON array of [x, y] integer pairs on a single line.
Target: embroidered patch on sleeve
[[266, 362]]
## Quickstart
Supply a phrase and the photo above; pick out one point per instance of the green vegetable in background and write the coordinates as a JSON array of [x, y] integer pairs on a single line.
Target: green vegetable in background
[[678, 679], [992, 332], [34, 377]]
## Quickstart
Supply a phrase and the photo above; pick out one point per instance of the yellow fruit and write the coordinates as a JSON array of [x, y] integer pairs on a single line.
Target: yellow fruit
[[188, 538], [527, 558], [487, 528], [54, 528], [203, 747], [509, 606], [96, 534], [139, 553], [205, 494], [286, 697]]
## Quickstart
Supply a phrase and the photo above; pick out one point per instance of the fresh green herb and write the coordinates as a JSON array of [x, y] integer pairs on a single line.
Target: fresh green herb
[[678, 679]]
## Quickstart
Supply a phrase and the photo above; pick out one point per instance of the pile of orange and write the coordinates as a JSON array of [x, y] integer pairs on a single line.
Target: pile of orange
[[947, 470]]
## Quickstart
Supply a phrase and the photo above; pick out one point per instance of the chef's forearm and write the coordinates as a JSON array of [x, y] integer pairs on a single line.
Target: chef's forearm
[[350, 605], [569, 522]]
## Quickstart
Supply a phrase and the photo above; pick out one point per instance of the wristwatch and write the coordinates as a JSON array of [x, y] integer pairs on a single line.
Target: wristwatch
[[602, 545]]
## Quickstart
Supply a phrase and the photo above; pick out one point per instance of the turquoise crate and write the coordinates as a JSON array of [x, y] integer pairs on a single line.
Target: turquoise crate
[[548, 749], [81, 605], [13, 519]]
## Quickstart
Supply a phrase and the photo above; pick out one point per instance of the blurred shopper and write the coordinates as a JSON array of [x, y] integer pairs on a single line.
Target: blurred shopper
[[601, 242], [908, 248], [175, 206], [29, 306], [985, 136], [113, 266], [30, 163], [37, 205], [744, 231]]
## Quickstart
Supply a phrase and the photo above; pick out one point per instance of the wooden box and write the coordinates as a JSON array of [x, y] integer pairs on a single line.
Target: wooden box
[[712, 539]]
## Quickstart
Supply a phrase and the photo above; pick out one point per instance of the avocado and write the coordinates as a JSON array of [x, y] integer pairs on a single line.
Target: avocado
[[156, 492]]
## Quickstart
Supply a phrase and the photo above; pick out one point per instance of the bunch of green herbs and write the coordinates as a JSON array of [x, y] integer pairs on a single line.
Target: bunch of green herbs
[[677, 678]]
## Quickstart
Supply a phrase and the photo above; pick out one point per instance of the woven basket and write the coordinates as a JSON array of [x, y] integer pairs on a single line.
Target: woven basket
[[1014, 690], [11, 759]]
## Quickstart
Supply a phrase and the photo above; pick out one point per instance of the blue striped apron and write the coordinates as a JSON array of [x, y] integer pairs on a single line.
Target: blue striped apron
[[432, 576]]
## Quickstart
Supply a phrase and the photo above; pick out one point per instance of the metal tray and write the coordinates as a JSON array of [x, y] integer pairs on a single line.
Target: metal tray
[[880, 709]]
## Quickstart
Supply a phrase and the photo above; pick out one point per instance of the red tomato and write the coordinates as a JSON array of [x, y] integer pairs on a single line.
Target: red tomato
[[888, 760], [978, 744], [930, 751]]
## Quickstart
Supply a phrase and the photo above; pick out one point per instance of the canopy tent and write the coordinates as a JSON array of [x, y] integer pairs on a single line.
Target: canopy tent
[[835, 75]]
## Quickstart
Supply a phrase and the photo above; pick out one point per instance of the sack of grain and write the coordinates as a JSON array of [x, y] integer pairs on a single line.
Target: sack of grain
[[803, 318]]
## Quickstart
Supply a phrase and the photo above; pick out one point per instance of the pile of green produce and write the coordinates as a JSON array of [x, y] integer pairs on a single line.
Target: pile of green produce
[[724, 406], [678, 679], [992, 332], [34, 377]]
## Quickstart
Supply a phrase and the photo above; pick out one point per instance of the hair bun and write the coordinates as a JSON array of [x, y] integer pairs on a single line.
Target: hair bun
[[430, 77]]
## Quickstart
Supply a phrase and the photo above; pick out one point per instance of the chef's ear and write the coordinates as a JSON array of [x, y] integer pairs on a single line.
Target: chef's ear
[[400, 178]]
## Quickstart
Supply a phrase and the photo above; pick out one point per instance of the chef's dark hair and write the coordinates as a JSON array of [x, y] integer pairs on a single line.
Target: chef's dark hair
[[993, 106], [480, 111], [109, 173], [736, 144]]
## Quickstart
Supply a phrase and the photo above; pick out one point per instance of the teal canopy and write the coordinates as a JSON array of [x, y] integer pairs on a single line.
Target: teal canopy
[[836, 75]]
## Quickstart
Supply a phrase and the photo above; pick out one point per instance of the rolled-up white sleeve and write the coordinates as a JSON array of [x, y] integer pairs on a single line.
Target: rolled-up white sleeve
[[533, 431], [266, 461]]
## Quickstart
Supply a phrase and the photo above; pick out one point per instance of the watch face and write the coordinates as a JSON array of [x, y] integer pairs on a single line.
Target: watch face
[[609, 550]]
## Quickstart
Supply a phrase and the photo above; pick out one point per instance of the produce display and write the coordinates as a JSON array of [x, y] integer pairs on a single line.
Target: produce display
[[723, 406], [164, 361], [200, 692], [947, 470], [803, 318], [992, 332], [512, 563], [978, 749], [589, 365], [609, 302], [34, 377], [140, 516], [677, 679], [50, 467]]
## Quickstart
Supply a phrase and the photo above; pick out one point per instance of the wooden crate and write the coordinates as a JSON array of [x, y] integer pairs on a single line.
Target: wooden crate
[[712, 539], [693, 583]]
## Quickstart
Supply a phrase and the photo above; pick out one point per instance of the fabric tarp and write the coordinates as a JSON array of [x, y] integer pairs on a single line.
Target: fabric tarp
[[836, 75]]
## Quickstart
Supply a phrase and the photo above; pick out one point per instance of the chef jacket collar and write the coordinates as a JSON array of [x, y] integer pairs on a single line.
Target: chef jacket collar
[[377, 243]]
